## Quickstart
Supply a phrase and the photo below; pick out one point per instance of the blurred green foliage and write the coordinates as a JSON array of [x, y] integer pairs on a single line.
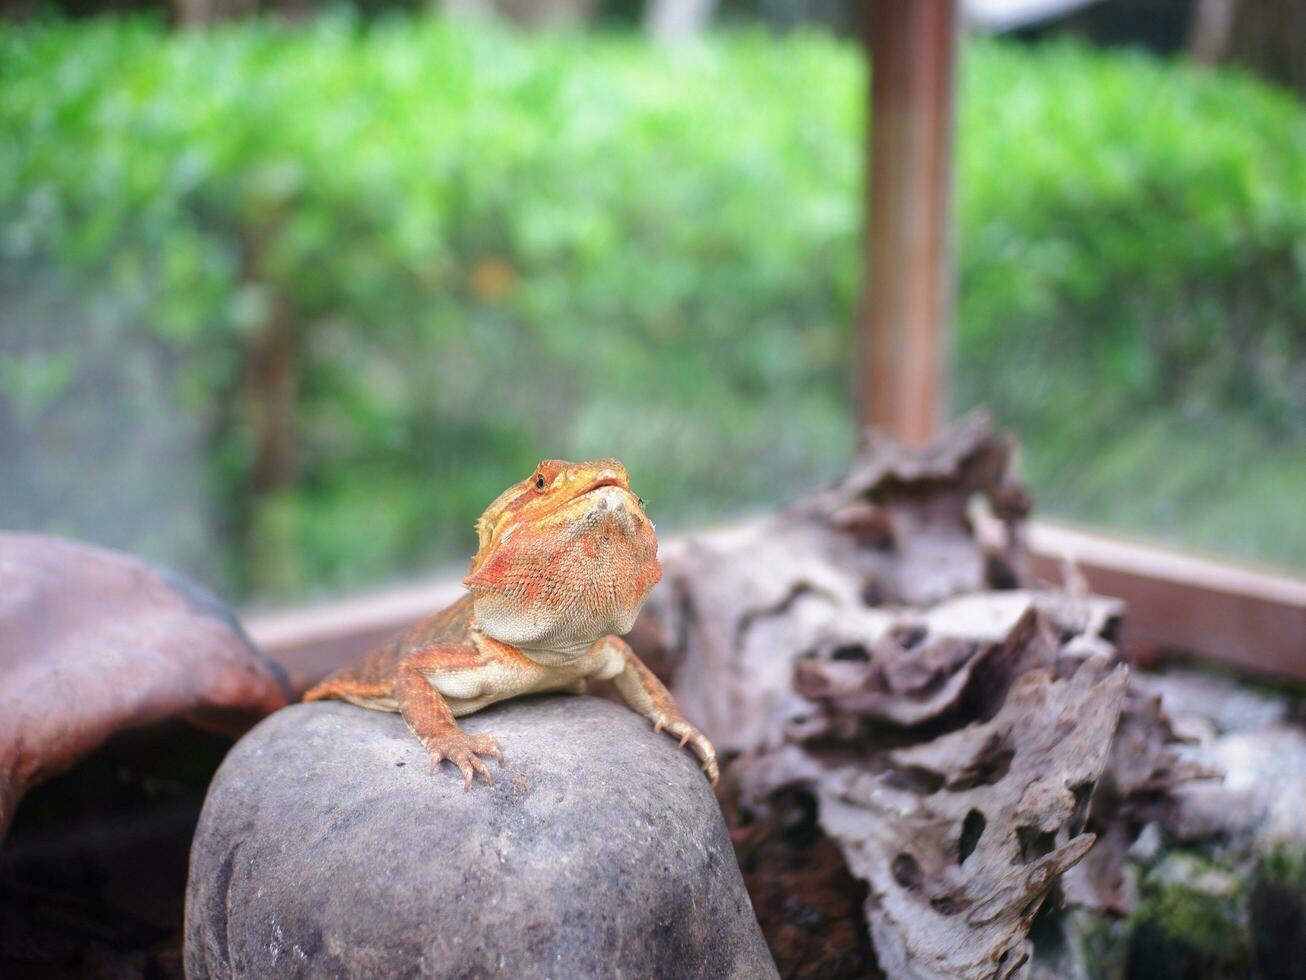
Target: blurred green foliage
[[1133, 290], [492, 248]]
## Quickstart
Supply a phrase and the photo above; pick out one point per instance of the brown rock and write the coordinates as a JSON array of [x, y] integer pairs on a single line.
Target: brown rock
[[93, 642]]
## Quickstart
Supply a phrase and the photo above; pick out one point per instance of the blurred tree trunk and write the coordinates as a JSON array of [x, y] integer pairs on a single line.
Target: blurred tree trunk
[[672, 20], [199, 13], [530, 14], [1267, 37], [271, 397], [293, 10], [1209, 30], [273, 385]]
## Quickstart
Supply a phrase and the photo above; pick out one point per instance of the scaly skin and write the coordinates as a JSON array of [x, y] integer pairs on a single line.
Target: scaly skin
[[565, 560]]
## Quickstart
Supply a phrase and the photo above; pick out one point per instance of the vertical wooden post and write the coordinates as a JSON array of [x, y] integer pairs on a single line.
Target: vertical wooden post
[[906, 313]]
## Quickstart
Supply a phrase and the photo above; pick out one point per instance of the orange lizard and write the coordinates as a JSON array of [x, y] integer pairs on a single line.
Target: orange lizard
[[565, 560]]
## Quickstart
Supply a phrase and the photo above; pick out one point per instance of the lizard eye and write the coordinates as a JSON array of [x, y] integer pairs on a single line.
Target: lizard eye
[[539, 481]]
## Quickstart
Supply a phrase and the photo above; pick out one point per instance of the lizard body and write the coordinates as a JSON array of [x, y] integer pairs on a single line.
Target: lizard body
[[565, 560]]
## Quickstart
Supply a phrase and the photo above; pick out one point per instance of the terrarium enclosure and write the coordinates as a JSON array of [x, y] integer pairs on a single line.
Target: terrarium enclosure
[[957, 349]]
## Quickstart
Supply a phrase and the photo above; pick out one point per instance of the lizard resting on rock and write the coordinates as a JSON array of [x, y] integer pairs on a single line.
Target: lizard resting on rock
[[565, 560]]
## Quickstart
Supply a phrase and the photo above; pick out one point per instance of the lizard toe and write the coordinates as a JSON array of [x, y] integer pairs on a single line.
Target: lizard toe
[[688, 735], [460, 759], [436, 757], [461, 750], [477, 764], [486, 745], [713, 773]]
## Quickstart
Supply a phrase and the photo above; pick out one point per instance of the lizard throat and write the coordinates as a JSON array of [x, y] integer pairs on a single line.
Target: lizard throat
[[558, 654], [552, 595]]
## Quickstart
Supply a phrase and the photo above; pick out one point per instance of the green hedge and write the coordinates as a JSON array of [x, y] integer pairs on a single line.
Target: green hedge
[[1133, 290], [489, 248]]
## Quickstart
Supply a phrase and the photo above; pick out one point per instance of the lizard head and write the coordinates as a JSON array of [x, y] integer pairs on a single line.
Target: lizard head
[[565, 556]]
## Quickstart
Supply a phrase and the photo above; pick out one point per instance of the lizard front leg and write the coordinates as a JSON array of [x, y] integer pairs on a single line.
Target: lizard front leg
[[428, 715], [647, 695]]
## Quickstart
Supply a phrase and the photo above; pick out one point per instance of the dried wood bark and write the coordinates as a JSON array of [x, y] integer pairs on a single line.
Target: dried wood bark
[[950, 721]]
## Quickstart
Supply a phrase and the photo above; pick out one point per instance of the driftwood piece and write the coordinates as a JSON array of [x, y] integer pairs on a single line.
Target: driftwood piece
[[949, 720], [860, 559], [958, 874], [1137, 789], [93, 642]]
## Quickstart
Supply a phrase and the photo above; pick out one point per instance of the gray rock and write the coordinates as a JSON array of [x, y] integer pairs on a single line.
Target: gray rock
[[1219, 699], [326, 849], [1260, 800]]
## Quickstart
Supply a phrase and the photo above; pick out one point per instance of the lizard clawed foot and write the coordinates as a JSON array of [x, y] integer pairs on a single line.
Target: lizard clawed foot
[[675, 725], [464, 751]]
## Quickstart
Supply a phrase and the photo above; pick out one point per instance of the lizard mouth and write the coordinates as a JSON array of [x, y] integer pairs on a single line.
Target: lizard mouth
[[610, 500], [601, 484], [589, 497]]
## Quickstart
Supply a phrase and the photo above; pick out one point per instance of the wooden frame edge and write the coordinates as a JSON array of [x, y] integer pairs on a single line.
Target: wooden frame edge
[[1249, 618]]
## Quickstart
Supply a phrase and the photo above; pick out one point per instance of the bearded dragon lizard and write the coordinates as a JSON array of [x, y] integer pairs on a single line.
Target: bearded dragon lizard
[[565, 560]]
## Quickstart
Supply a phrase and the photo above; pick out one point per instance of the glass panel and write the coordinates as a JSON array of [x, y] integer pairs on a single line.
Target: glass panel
[[287, 308], [1132, 296]]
